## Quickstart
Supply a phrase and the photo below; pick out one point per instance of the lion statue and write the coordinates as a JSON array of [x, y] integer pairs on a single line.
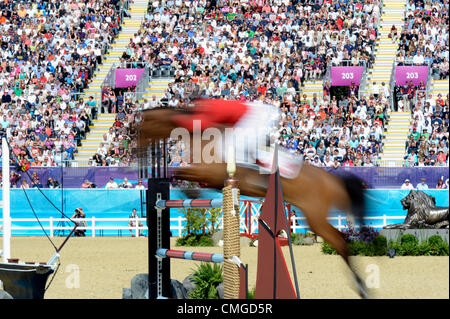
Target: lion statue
[[422, 212]]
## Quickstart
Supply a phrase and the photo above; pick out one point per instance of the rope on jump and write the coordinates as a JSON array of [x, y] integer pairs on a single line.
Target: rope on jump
[[231, 243]]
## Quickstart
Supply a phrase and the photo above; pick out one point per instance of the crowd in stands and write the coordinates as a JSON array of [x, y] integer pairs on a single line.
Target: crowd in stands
[[117, 144], [20, 180], [424, 38], [428, 140], [251, 50], [254, 49], [424, 41], [264, 51], [335, 133], [48, 52], [410, 93]]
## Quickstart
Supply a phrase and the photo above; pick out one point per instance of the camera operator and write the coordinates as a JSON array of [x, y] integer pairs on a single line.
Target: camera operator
[[80, 214]]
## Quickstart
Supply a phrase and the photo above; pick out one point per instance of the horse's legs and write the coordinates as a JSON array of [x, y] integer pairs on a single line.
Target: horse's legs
[[331, 235]]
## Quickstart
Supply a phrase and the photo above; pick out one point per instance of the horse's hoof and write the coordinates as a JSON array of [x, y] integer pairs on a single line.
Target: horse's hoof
[[363, 293], [362, 290]]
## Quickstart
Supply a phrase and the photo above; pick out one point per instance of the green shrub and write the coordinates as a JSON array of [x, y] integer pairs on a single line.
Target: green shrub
[[206, 278], [437, 248], [328, 249], [181, 241], [409, 249], [407, 245], [205, 241], [380, 245], [298, 241], [358, 247], [195, 240], [293, 237], [393, 244], [409, 238], [443, 249], [251, 293], [435, 240], [297, 238]]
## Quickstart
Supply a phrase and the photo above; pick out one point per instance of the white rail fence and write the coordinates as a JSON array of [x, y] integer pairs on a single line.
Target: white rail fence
[[52, 225]]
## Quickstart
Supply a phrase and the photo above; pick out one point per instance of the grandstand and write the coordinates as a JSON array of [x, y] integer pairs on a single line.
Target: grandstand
[[61, 102], [361, 88]]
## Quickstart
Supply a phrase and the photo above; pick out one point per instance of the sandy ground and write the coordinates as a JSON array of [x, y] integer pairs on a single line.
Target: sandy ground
[[105, 265]]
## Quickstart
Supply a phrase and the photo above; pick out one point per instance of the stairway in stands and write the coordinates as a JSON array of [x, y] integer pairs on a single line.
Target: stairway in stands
[[311, 87], [394, 146], [439, 87], [156, 88], [385, 48], [385, 54], [104, 121]]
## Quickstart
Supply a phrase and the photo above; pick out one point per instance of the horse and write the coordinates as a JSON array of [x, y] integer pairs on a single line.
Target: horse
[[314, 191]]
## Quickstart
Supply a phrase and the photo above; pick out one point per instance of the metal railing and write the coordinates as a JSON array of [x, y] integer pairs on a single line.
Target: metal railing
[[404, 63], [349, 63], [142, 84], [429, 79], [362, 83], [389, 163], [135, 65], [392, 84], [109, 80]]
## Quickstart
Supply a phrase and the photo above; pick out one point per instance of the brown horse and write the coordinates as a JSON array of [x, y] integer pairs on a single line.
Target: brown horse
[[314, 191]]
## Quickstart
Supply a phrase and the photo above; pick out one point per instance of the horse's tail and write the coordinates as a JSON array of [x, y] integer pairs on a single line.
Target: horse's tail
[[355, 188]]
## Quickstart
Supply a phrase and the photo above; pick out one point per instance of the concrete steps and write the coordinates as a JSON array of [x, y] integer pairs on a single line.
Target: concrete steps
[[396, 136], [439, 87], [311, 88], [386, 49], [157, 88], [101, 126]]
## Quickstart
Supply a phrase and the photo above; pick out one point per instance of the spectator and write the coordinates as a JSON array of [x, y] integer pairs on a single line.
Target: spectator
[[407, 185], [336, 163], [25, 184], [422, 185], [36, 183], [111, 184], [140, 185], [393, 33], [34, 178], [440, 184], [125, 184], [79, 214], [132, 223], [15, 177], [51, 183], [375, 90], [88, 184]]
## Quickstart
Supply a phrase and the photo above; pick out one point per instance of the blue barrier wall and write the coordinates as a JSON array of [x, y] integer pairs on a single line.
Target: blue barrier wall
[[119, 203]]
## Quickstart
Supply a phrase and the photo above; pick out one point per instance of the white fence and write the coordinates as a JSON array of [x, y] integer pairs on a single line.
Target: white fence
[[54, 224]]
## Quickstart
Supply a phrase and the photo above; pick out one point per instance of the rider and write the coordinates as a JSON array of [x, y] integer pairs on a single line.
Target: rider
[[254, 127]]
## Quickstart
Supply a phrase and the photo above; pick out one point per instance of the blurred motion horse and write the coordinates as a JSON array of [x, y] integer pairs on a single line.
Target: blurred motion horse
[[313, 190]]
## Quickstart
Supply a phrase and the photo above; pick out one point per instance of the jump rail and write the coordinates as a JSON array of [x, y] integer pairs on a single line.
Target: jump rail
[[190, 255], [189, 203]]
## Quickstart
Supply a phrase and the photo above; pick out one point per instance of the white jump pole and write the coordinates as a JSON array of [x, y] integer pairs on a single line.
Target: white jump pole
[[6, 229]]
